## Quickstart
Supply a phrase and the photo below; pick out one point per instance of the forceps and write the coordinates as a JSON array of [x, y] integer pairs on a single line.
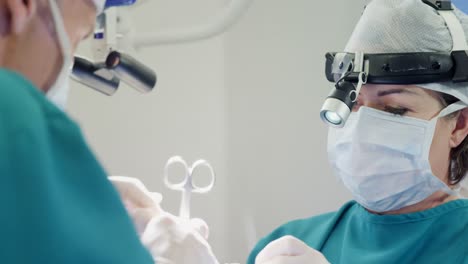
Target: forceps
[[187, 185]]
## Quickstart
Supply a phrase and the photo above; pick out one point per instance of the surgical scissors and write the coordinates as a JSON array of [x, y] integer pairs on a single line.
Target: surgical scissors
[[187, 185]]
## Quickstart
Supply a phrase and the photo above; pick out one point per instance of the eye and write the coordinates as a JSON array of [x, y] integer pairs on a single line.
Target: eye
[[400, 111]]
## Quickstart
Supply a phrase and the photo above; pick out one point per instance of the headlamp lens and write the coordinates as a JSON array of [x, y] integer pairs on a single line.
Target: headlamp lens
[[333, 118]]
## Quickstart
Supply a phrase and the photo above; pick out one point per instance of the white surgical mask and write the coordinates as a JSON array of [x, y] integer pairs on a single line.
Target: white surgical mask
[[383, 159], [58, 93]]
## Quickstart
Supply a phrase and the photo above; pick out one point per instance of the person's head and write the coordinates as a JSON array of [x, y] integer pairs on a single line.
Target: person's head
[[28, 40], [398, 26], [400, 136]]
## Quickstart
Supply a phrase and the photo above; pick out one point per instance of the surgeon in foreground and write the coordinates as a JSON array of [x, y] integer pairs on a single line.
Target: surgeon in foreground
[[403, 152], [57, 204]]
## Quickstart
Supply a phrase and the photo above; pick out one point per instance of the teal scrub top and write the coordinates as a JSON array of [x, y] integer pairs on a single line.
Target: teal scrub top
[[56, 203], [353, 235]]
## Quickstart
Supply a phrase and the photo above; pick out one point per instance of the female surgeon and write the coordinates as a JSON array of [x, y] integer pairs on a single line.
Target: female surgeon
[[57, 203], [402, 154]]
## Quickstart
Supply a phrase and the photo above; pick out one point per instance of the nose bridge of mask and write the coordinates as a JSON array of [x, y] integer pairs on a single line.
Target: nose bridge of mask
[[406, 134], [371, 126]]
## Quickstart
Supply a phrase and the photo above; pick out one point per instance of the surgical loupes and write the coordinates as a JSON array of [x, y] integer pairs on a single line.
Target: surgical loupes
[[105, 77]]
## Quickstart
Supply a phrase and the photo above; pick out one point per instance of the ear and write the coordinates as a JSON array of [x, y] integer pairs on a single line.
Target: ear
[[20, 13], [460, 132]]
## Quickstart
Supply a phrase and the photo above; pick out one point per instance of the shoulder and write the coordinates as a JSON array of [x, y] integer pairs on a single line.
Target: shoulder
[[23, 107], [313, 225], [19, 100], [311, 230]]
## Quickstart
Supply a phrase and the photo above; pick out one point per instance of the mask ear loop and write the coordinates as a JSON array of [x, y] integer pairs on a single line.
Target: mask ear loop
[[62, 35], [452, 109], [59, 90]]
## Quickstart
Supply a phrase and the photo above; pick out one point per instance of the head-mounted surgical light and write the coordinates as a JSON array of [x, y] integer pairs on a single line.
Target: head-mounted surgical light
[[351, 75], [350, 71]]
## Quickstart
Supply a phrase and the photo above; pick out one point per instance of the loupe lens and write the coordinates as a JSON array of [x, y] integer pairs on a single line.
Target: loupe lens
[[131, 71], [94, 76]]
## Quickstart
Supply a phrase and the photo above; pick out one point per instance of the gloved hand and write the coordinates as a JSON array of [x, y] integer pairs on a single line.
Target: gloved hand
[[289, 250], [141, 204], [169, 239], [173, 240]]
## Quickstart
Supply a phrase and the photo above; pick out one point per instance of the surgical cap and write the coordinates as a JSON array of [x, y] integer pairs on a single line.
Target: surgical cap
[[396, 26]]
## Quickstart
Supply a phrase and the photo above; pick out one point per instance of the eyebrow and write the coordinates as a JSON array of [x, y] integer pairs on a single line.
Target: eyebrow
[[396, 91]]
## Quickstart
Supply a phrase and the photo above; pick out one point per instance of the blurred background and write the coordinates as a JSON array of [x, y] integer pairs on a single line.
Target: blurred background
[[248, 101]]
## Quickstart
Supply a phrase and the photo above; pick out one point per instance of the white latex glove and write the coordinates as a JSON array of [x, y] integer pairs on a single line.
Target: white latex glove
[[173, 240], [141, 204], [170, 239], [289, 250]]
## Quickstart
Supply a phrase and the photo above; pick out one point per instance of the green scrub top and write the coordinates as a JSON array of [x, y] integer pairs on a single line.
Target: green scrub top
[[353, 235], [57, 205]]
